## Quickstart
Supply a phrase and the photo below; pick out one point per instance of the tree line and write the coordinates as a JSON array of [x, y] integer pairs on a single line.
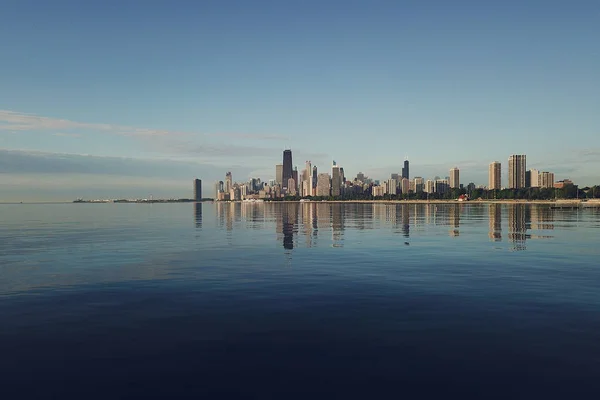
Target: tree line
[[567, 192]]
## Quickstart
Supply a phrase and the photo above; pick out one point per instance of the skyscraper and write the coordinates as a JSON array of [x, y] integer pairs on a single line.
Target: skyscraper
[[517, 164], [336, 180], [295, 178], [454, 178], [314, 177], [546, 179], [534, 178], [197, 189], [494, 176], [323, 185], [279, 174], [307, 180], [287, 167], [405, 186], [405, 170], [228, 182], [419, 184]]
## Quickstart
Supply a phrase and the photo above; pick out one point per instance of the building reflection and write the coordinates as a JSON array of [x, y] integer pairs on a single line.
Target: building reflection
[[518, 219], [405, 221], [198, 214], [313, 224], [337, 224], [289, 221], [454, 219], [495, 222]]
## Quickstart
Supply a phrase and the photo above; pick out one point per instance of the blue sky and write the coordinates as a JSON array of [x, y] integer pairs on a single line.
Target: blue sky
[[126, 98]]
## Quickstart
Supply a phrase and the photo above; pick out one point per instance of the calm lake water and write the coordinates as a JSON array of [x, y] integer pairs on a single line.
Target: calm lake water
[[299, 301]]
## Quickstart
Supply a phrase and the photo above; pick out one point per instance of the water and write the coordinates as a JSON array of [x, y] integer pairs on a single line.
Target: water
[[299, 301]]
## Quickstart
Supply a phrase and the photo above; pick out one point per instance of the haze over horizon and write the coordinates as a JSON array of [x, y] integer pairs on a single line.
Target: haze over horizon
[[131, 98]]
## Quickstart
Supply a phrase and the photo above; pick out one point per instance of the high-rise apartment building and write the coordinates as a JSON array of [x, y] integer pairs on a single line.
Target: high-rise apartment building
[[546, 179], [336, 180], [323, 185], [430, 186], [279, 174], [197, 189], [533, 178], [494, 176], [517, 165], [287, 168], [391, 186], [405, 170], [454, 178]]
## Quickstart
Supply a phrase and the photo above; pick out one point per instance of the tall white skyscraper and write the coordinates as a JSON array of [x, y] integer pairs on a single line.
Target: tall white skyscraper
[[454, 178], [517, 165], [494, 176]]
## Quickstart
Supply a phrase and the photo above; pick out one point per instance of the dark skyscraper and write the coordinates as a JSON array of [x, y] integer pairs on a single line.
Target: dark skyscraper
[[197, 189], [405, 170], [314, 177], [287, 167], [295, 178]]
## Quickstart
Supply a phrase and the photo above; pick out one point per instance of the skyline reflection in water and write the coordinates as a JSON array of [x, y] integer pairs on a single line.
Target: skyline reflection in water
[[295, 221]]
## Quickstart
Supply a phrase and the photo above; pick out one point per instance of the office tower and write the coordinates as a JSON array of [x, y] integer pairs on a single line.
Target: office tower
[[454, 178], [323, 185], [218, 189], [291, 187], [228, 182], [307, 180], [442, 186], [419, 184], [314, 177], [197, 189], [430, 186], [494, 176], [336, 180], [360, 177], [279, 174], [287, 167], [546, 179], [395, 177], [295, 178], [405, 170], [516, 171], [405, 186]]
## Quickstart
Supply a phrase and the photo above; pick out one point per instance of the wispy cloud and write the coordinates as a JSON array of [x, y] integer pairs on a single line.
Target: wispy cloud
[[18, 121], [13, 121], [63, 134]]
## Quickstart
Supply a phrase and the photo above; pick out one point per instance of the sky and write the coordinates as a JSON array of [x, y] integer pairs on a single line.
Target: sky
[[131, 98]]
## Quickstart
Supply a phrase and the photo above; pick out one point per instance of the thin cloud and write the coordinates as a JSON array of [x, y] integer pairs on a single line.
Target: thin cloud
[[63, 134], [13, 121]]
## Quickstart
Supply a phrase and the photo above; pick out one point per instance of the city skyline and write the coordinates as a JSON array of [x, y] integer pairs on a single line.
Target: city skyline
[[170, 93], [338, 185]]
